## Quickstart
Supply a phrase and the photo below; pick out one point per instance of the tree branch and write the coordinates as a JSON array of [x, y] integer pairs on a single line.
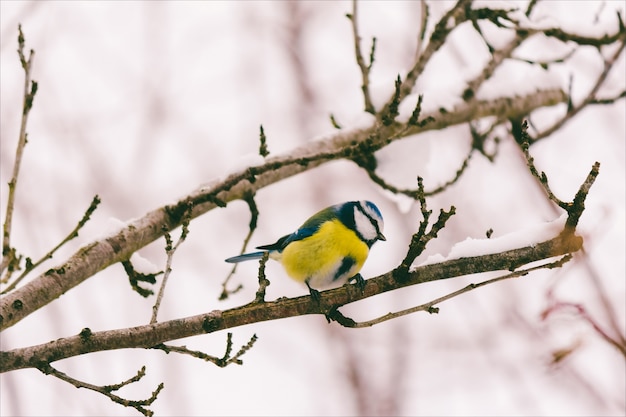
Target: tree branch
[[107, 390], [100, 254], [430, 306], [150, 335]]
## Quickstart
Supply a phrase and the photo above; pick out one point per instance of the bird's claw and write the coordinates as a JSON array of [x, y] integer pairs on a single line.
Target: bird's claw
[[359, 282], [315, 294]]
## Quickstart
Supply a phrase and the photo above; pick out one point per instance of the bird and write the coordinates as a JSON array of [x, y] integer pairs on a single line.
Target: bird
[[329, 249]]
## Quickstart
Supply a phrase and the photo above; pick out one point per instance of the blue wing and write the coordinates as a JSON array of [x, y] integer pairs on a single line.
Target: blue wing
[[278, 246], [307, 229], [286, 240]]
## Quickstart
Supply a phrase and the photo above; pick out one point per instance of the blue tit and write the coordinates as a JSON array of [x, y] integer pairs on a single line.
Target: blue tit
[[329, 248]]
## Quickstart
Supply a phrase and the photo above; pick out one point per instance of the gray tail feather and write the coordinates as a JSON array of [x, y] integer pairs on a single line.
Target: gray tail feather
[[245, 257]]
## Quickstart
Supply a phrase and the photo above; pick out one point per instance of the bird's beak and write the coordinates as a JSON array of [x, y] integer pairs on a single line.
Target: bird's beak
[[381, 236]]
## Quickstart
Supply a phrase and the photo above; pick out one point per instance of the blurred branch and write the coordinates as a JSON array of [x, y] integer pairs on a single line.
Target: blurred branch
[[611, 314], [561, 306], [451, 20], [263, 150], [591, 97], [135, 277], [414, 193], [365, 68], [497, 57], [607, 39], [424, 14]]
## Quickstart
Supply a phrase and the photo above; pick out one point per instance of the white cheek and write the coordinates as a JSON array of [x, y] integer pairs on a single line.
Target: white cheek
[[364, 225], [373, 215]]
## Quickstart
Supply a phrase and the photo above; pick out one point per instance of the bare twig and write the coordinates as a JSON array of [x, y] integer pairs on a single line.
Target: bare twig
[[414, 193], [170, 249], [136, 277], [591, 96], [263, 281], [248, 197], [263, 150], [541, 177], [365, 68], [497, 57], [424, 14], [452, 19], [222, 362], [579, 309], [574, 208], [421, 238], [10, 260], [72, 235], [546, 62], [430, 306], [106, 390]]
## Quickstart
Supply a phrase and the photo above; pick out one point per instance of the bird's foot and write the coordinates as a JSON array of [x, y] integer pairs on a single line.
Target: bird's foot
[[359, 282], [315, 294]]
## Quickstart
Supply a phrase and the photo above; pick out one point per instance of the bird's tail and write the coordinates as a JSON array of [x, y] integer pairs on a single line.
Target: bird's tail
[[245, 257]]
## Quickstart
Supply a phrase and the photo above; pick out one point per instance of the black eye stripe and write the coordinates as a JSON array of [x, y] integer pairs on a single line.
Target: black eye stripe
[[370, 218]]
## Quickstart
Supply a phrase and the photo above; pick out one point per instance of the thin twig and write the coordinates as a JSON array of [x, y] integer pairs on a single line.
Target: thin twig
[[589, 99], [584, 314], [9, 259], [248, 197], [574, 208], [222, 362], [72, 235], [139, 405], [547, 62], [421, 238], [430, 306], [424, 14], [365, 68], [541, 177], [170, 249], [263, 281], [443, 28], [497, 57]]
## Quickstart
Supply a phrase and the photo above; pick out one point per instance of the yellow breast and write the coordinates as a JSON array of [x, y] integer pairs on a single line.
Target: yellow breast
[[329, 257]]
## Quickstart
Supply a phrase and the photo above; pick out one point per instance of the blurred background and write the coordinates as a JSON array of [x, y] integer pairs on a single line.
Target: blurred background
[[143, 102]]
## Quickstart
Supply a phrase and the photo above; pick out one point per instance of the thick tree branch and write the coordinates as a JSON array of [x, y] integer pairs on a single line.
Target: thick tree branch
[[100, 254], [150, 335]]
